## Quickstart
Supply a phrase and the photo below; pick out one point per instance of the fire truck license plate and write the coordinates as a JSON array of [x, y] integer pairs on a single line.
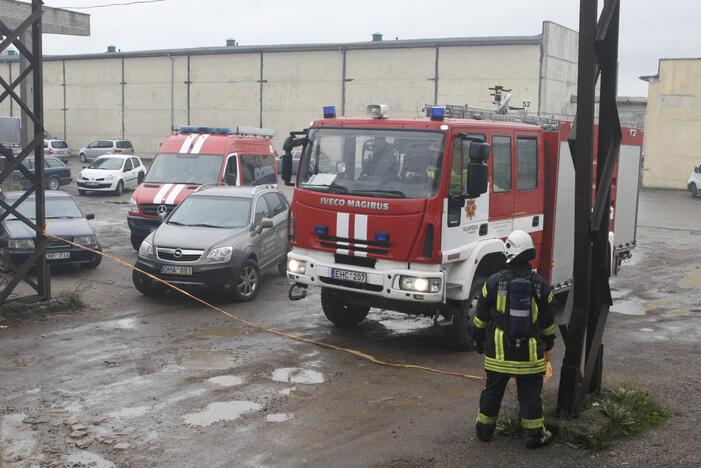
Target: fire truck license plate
[[176, 270], [349, 275]]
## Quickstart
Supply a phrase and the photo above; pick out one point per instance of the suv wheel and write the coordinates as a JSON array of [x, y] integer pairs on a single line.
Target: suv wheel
[[247, 283], [143, 284], [339, 311]]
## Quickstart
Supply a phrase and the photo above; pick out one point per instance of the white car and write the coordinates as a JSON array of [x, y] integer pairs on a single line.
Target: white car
[[694, 183], [111, 173]]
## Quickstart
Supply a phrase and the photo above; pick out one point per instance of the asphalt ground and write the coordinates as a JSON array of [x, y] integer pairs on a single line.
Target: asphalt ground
[[139, 382]]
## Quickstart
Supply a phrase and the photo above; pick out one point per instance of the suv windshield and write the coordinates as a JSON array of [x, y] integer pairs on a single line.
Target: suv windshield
[[55, 208], [108, 164], [215, 212], [59, 144], [374, 163], [185, 168]]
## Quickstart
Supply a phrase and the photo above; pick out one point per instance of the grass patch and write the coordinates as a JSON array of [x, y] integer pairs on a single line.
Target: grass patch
[[614, 414], [21, 310]]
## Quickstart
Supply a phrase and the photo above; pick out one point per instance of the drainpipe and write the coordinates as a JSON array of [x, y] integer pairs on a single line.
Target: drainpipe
[[172, 91]]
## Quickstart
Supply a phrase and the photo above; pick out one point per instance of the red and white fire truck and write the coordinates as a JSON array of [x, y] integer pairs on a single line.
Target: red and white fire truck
[[195, 156], [411, 214]]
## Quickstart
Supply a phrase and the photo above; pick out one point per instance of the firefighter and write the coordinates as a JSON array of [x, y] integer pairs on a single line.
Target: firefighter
[[513, 327]]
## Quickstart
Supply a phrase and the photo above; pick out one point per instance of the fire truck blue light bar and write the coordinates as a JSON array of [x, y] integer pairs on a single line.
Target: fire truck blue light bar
[[437, 113], [329, 112]]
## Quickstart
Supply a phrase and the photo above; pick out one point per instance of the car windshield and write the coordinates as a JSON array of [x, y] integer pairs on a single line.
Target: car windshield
[[107, 164], [185, 168], [373, 163], [215, 212], [59, 144], [56, 208]]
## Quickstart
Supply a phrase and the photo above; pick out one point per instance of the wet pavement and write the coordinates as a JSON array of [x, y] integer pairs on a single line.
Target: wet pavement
[[140, 382]]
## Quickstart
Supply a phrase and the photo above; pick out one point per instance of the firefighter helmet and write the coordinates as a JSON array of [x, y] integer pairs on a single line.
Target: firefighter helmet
[[518, 243]]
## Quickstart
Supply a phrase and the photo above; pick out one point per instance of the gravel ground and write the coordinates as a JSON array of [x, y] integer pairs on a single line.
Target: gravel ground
[[141, 382]]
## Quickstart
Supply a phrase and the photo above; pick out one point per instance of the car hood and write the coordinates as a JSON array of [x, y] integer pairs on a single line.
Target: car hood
[[97, 173], [57, 227], [198, 238]]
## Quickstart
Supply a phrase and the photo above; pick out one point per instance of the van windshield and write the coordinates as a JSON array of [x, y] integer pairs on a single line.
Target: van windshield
[[373, 163], [185, 168]]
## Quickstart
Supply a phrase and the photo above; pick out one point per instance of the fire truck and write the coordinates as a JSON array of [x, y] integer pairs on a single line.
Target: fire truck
[[195, 156], [411, 214]]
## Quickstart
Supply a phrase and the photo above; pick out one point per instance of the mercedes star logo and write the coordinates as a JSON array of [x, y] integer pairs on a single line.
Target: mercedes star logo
[[177, 253], [162, 209]]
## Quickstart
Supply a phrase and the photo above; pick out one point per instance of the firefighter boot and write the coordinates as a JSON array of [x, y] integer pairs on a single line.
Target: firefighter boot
[[537, 437], [485, 432]]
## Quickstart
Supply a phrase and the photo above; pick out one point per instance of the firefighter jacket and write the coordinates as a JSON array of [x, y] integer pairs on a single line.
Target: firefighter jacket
[[525, 357]]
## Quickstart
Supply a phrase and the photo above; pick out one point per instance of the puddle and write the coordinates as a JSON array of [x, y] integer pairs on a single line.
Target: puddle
[[658, 304], [133, 412], [220, 411], [84, 458], [226, 380], [206, 359], [279, 417], [124, 324], [692, 280], [222, 330], [297, 375], [619, 293], [647, 330], [398, 323], [287, 391], [17, 439], [628, 308]]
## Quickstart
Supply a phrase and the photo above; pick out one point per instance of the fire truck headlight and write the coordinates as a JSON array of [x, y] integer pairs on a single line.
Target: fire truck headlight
[[409, 283], [296, 266]]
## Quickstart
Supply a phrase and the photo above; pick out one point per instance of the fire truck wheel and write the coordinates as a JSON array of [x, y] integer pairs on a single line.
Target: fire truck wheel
[[461, 326], [136, 241], [339, 312]]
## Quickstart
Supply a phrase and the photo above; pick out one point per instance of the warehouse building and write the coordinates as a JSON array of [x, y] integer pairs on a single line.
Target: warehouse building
[[673, 123], [141, 95]]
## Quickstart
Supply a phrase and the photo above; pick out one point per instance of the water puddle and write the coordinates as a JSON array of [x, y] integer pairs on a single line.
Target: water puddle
[[648, 330], [658, 304], [631, 307], [17, 438], [297, 375], [84, 458], [619, 293], [398, 323], [133, 412], [206, 359], [222, 330], [220, 411], [692, 280], [124, 324], [279, 417], [226, 380]]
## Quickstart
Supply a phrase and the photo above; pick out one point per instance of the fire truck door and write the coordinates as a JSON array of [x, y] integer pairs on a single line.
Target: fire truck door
[[501, 199], [529, 185]]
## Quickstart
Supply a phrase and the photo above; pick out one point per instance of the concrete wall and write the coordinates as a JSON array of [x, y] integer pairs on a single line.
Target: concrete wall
[[140, 97], [673, 124]]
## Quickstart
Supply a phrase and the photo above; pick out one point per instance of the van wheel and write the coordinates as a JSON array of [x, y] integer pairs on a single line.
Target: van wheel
[[339, 312], [694, 190], [462, 314], [143, 284], [82, 158], [136, 241], [247, 282]]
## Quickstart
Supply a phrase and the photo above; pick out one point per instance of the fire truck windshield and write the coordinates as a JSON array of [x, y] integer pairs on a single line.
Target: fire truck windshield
[[374, 163], [185, 169]]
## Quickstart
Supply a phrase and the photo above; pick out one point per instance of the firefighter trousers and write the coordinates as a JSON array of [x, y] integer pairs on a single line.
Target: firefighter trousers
[[529, 388]]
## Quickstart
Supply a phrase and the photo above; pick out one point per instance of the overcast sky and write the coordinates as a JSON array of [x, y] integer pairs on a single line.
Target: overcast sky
[[650, 29]]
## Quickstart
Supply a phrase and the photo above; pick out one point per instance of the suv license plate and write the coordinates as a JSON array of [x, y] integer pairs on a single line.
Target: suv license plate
[[58, 255], [349, 276], [176, 270]]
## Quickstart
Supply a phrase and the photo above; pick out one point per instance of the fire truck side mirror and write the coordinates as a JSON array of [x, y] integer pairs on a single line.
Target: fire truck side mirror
[[479, 152], [477, 174], [287, 168]]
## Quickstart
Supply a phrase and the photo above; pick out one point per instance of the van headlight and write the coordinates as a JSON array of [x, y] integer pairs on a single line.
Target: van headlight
[[20, 244], [220, 254], [133, 206], [85, 240], [296, 266], [146, 249], [411, 283]]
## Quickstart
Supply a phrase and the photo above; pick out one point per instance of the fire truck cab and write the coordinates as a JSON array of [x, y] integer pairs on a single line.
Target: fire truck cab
[[410, 214], [195, 156]]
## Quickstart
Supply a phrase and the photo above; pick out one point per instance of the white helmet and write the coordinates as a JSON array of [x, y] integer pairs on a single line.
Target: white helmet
[[517, 243]]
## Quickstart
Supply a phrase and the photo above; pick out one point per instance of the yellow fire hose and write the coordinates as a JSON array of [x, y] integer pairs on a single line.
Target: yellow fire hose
[[356, 353]]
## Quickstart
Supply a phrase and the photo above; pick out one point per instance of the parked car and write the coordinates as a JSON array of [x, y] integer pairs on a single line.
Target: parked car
[[112, 173], [296, 156], [58, 149], [694, 183], [56, 173], [220, 237], [64, 219], [99, 147]]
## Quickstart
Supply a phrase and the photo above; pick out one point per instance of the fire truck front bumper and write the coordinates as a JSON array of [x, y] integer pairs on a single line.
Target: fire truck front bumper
[[390, 280]]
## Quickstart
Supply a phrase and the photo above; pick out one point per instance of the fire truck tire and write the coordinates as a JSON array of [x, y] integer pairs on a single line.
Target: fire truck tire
[[136, 241], [462, 312], [339, 312]]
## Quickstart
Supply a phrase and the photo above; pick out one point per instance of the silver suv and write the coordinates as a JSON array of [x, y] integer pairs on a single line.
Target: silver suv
[[220, 237], [99, 147]]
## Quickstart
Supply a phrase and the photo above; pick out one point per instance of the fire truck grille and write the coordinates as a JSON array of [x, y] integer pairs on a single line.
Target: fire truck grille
[[152, 209], [351, 284], [355, 261], [371, 247]]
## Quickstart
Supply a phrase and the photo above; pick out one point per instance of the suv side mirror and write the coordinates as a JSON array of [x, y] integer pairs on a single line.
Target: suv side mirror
[[477, 175], [266, 223]]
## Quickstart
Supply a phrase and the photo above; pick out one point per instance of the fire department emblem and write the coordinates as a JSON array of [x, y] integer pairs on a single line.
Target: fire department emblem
[[470, 209]]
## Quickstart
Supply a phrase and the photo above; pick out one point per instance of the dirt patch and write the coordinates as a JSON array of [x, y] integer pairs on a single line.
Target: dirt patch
[[19, 312]]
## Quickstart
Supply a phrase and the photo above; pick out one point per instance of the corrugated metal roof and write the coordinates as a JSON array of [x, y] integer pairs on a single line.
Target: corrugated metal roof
[[387, 44]]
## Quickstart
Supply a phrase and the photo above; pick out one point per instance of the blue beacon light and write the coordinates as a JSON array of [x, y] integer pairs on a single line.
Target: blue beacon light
[[437, 113], [329, 112]]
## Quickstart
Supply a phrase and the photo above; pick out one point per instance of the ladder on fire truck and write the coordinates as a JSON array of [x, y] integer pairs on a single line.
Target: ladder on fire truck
[[464, 112]]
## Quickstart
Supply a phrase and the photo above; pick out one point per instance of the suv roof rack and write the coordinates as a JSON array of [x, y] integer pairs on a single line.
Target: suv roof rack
[[465, 112], [239, 130]]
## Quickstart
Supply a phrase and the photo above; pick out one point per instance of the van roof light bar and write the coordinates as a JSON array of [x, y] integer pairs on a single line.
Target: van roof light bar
[[238, 130]]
